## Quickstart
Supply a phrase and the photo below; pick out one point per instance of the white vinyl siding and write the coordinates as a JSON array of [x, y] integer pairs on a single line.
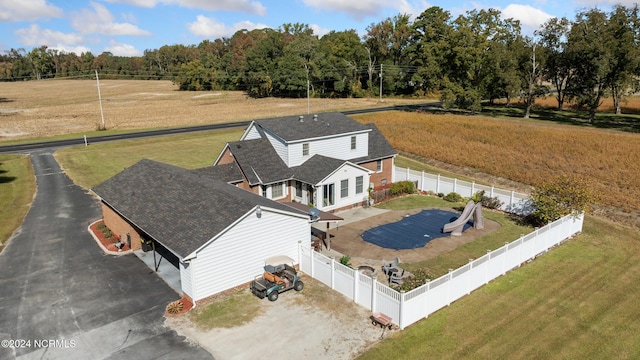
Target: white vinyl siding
[[252, 133], [185, 278], [338, 147], [346, 172], [279, 146], [237, 257]]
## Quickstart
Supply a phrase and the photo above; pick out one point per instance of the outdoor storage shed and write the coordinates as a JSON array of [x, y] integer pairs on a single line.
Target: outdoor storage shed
[[220, 234]]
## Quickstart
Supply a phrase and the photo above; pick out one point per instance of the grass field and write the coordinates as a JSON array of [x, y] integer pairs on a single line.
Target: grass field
[[90, 165], [17, 187], [528, 152], [578, 301], [36, 109]]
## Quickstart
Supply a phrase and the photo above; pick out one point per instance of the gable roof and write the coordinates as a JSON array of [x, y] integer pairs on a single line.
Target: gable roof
[[179, 208], [290, 128], [259, 162], [318, 168]]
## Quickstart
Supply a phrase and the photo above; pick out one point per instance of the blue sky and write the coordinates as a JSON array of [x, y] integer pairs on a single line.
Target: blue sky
[[128, 27]]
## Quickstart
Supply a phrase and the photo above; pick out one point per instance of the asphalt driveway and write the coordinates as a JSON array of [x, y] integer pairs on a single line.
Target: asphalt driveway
[[66, 300]]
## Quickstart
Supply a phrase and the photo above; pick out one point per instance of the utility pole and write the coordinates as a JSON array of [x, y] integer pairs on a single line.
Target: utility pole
[[380, 82], [100, 100]]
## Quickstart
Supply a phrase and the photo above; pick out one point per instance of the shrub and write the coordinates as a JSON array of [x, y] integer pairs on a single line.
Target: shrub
[[345, 260], [564, 195], [486, 201], [419, 278], [453, 197], [402, 187]]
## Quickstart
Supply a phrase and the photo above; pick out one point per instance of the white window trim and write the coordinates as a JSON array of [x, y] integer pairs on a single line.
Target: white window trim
[[341, 195]]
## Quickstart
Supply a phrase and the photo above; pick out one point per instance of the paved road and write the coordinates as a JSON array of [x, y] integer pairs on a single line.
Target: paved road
[[19, 148], [55, 284]]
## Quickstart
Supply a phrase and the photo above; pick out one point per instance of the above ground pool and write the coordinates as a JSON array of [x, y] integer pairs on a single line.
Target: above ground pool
[[413, 231]]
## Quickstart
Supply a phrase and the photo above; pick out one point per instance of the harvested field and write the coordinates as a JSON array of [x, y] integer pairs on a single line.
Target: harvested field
[[56, 107], [528, 152]]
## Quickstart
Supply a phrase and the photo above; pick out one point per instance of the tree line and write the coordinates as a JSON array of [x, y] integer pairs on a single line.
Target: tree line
[[472, 57]]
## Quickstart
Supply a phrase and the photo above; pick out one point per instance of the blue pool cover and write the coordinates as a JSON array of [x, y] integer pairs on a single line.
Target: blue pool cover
[[413, 231]]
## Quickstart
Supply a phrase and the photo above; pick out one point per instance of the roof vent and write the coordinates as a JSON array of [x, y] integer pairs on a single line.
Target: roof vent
[[301, 118], [315, 117]]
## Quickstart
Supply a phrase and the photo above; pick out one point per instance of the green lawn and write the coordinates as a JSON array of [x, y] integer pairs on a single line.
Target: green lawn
[[17, 188], [578, 301], [90, 165]]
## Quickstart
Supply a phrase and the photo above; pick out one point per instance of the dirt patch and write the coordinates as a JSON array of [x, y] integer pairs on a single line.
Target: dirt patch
[[347, 240], [316, 323]]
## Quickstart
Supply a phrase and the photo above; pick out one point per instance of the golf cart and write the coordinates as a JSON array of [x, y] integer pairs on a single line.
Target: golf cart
[[279, 276]]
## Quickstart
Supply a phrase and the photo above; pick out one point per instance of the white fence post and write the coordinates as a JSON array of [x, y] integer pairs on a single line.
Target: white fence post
[[455, 185], [333, 273], [473, 188], [356, 281], [313, 263], [422, 187], [438, 184], [400, 312], [374, 283]]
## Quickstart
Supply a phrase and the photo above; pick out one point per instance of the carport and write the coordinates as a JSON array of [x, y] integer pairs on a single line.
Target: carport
[[164, 263]]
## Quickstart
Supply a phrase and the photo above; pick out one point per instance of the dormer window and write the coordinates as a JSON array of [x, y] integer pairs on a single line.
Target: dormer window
[[305, 149], [353, 143]]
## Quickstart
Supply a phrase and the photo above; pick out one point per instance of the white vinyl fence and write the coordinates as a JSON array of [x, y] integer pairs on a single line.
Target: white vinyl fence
[[410, 307], [512, 201]]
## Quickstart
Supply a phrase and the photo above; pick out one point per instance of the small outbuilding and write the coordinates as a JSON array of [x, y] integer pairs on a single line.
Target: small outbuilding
[[218, 234]]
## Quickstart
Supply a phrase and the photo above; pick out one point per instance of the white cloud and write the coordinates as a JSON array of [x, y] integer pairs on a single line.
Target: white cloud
[[101, 21], [72, 49], [27, 10], [119, 49], [211, 28], [251, 7], [360, 9], [319, 31], [35, 36], [530, 17]]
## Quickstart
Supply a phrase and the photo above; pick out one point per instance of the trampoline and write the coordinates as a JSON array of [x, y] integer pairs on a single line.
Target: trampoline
[[413, 231]]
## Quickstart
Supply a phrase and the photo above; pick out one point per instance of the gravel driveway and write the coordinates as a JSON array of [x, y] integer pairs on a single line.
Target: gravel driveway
[[316, 323]]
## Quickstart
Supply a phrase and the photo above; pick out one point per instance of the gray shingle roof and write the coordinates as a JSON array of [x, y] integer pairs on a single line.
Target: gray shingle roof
[[290, 128], [229, 173], [316, 168], [259, 162], [179, 208]]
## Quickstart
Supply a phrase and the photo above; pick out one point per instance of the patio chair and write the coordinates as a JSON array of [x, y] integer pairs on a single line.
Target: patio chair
[[396, 277], [390, 266]]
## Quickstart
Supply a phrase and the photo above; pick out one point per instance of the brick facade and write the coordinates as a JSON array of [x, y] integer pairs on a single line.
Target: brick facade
[[378, 178], [120, 227]]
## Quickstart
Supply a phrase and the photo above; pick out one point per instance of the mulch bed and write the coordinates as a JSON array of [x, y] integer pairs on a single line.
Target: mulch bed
[[186, 306], [107, 243]]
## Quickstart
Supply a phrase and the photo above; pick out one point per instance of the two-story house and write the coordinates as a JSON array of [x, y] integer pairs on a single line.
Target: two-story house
[[327, 160]]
